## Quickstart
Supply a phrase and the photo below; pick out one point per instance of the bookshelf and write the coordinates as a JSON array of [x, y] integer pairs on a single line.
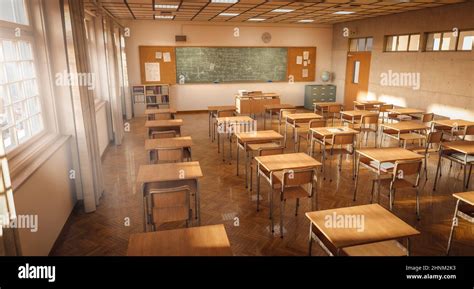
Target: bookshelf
[[150, 96]]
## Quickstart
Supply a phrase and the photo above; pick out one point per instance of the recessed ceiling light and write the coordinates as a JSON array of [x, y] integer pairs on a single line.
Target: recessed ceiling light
[[228, 14], [344, 12], [306, 20], [256, 19], [166, 6], [280, 10], [164, 16], [225, 1]]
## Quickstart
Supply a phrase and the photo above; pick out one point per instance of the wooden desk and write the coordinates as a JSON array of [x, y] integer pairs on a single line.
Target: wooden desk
[[368, 104], [167, 175], [353, 116], [163, 125], [466, 197], [212, 112], [451, 123], [274, 163], [380, 156], [196, 241], [231, 125], [270, 108], [403, 131], [176, 142], [298, 118], [463, 147], [322, 134], [153, 111], [323, 107], [405, 111], [254, 103], [378, 224], [246, 138]]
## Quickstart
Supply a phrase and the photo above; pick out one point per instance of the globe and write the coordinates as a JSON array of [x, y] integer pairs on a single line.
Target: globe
[[325, 76]]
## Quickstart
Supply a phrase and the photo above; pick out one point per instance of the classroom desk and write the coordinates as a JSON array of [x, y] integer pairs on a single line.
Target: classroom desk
[[465, 148], [170, 143], [323, 107], [254, 103], [163, 125], [452, 125], [368, 104], [405, 111], [270, 108], [380, 156], [196, 241], [354, 116], [231, 125], [403, 131], [153, 111], [466, 197], [167, 175], [212, 112], [379, 225], [321, 136], [296, 119], [274, 163], [246, 138]]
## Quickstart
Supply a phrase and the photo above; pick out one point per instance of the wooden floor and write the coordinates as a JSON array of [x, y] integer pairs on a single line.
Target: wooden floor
[[224, 197]]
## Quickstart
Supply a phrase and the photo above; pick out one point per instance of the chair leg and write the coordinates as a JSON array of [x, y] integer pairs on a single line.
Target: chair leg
[[453, 224], [426, 167], [282, 208], [391, 198], [417, 204], [310, 240], [371, 192], [297, 205]]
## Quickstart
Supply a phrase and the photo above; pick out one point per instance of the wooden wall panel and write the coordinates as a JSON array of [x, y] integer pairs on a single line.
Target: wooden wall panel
[[297, 69]]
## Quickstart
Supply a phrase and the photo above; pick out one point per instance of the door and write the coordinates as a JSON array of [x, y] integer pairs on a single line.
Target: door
[[357, 78]]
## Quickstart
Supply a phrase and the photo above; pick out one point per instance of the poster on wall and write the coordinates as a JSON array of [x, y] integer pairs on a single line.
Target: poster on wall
[[152, 72]]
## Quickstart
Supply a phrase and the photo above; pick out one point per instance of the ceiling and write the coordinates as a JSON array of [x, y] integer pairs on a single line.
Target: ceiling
[[319, 11]]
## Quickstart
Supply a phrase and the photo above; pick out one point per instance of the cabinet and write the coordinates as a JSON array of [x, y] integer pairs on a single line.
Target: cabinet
[[319, 93], [149, 96]]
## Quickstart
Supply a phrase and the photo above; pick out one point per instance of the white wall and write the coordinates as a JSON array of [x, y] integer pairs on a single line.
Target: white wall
[[199, 96]]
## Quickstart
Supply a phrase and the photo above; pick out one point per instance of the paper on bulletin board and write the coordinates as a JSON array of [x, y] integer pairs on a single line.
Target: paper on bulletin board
[[309, 61], [159, 55], [167, 57], [152, 71], [305, 63], [306, 55], [299, 60], [305, 73]]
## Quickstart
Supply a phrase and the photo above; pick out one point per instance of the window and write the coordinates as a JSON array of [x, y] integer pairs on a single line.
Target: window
[[450, 41], [406, 42], [360, 44], [20, 105]]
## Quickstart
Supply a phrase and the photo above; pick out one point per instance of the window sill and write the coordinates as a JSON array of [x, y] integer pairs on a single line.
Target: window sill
[[22, 166]]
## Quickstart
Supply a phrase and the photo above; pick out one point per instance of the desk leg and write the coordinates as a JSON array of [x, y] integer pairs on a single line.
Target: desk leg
[[357, 177], [246, 154], [311, 146], [258, 187], [451, 233], [209, 119], [286, 132], [310, 239], [145, 207], [218, 141], [197, 201], [438, 169], [237, 161], [295, 135]]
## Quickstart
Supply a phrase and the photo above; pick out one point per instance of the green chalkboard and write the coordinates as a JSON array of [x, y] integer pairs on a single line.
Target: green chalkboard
[[230, 64]]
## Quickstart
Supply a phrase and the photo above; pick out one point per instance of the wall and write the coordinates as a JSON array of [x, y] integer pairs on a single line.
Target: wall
[[199, 96], [447, 78], [48, 192]]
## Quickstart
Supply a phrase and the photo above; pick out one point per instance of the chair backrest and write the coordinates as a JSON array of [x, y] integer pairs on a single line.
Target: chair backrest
[[317, 123], [163, 134], [468, 130], [370, 119], [225, 113], [434, 137], [170, 154], [359, 106], [163, 116], [169, 205], [286, 111], [407, 168], [334, 109], [343, 139], [293, 178], [271, 151], [427, 117], [385, 107]]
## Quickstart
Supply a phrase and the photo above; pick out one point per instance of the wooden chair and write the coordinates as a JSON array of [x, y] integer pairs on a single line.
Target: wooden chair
[[368, 124], [221, 113], [334, 112], [339, 146], [307, 135], [169, 155], [292, 187], [461, 134], [384, 110], [267, 151], [168, 205], [399, 180], [160, 116], [433, 139], [464, 211], [163, 134], [282, 116]]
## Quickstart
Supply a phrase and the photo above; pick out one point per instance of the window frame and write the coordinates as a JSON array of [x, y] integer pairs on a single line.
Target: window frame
[[425, 41], [385, 41], [459, 39], [357, 44]]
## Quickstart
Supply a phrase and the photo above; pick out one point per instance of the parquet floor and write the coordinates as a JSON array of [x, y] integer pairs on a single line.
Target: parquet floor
[[223, 197]]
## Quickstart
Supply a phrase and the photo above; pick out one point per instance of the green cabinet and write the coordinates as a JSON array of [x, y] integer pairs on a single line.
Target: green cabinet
[[319, 93]]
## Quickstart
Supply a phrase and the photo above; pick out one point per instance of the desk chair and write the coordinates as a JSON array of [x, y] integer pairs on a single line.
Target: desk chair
[[384, 109], [282, 117], [168, 155], [467, 131], [323, 111], [464, 211], [292, 187], [343, 141], [368, 124], [433, 139], [267, 151], [398, 180], [220, 113], [334, 112], [163, 134], [464, 160], [160, 116], [167, 205], [307, 135]]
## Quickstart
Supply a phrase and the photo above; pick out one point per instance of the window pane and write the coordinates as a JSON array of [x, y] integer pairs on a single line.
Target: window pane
[[6, 117], [8, 138], [3, 77], [36, 124], [4, 99], [391, 43], [402, 43], [449, 41], [9, 51], [29, 88], [19, 111], [361, 44], [433, 41], [353, 45], [22, 131], [13, 11], [12, 71], [28, 70], [414, 42], [33, 106], [25, 51], [15, 92], [370, 40], [466, 40]]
